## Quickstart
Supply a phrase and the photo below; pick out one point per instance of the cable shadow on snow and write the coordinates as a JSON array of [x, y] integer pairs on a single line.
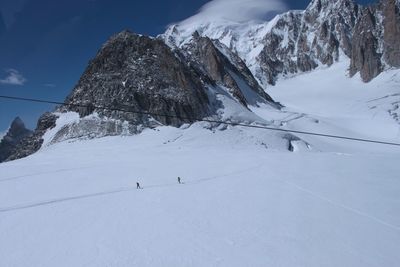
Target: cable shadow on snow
[[120, 190], [41, 173], [60, 200]]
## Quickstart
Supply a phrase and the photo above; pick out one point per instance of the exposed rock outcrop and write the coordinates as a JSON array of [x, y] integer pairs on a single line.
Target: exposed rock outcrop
[[10, 141], [215, 61], [365, 57], [391, 36], [376, 40], [33, 142], [300, 41], [139, 73]]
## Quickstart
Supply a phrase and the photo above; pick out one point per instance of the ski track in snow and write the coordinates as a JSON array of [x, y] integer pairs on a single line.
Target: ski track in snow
[[60, 200], [41, 173], [121, 190], [353, 210]]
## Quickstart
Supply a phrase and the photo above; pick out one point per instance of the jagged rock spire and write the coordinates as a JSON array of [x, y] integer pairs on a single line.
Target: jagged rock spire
[[16, 133]]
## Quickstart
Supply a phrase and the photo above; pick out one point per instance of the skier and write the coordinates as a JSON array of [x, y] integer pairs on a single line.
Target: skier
[[138, 186], [179, 180]]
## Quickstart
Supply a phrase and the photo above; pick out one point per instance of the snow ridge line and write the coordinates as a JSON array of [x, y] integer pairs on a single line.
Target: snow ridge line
[[37, 174], [353, 210]]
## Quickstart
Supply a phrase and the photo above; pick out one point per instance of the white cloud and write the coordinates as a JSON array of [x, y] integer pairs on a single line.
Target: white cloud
[[239, 10], [13, 77]]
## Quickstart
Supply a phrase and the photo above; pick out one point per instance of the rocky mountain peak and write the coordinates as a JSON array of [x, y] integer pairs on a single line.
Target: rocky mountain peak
[[17, 126], [137, 82], [223, 67], [323, 10], [121, 37], [16, 133], [141, 73], [323, 5]]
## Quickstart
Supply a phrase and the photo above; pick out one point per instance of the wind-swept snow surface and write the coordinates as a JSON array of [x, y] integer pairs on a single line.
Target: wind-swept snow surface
[[75, 204], [246, 200]]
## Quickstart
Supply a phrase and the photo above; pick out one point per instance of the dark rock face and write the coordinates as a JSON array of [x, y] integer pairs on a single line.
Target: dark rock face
[[391, 24], [376, 40], [32, 143], [15, 134], [301, 41], [365, 58], [215, 61], [141, 74], [277, 56]]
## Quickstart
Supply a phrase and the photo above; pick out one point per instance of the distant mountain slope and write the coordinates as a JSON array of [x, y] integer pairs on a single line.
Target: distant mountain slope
[[300, 41], [11, 139]]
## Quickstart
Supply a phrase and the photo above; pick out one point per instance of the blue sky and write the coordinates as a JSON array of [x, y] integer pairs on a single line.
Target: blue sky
[[45, 45]]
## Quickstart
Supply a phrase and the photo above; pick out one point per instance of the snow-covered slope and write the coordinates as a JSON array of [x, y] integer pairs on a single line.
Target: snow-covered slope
[[246, 200], [326, 101], [75, 204]]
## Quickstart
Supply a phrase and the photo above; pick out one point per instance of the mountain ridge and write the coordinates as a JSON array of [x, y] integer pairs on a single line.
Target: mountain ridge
[[301, 40], [144, 76]]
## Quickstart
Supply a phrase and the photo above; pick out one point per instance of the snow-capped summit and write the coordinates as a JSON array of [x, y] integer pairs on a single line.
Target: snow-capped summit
[[300, 41]]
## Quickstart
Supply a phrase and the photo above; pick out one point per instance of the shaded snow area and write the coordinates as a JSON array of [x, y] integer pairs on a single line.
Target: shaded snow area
[[246, 200]]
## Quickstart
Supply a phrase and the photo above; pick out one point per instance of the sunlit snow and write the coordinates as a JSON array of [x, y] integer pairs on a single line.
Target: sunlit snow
[[246, 199]]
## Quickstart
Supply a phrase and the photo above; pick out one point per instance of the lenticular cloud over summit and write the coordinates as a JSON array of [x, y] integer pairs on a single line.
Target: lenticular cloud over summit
[[238, 10]]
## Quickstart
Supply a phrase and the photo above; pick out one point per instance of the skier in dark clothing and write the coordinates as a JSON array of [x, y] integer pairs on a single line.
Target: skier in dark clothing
[[179, 180], [138, 186]]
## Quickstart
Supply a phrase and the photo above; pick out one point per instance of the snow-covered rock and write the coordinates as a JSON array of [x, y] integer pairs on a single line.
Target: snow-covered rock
[[300, 41]]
